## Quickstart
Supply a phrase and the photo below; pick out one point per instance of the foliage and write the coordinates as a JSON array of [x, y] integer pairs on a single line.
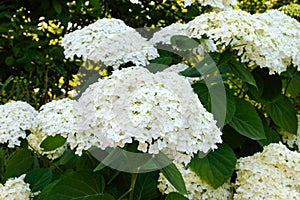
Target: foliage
[[292, 10]]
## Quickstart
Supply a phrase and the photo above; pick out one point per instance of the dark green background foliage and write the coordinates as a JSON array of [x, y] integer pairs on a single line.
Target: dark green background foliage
[[258, 6]]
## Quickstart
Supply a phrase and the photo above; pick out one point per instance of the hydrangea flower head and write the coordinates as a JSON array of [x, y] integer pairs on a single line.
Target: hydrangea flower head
[[160, 111], [55, 117], [15, 189], [270, 39], [111, 42], [271, 174], [16, 117]]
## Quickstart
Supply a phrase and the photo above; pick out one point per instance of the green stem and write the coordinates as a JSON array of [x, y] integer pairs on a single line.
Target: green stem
[[133, 180]]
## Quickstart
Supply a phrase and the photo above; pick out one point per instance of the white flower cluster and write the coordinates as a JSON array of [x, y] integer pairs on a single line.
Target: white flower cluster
[[55, 117], [270, 39], [16, 117], [221, 4], [15, 189], [160, 111], [197, 188], [164, 35], [292, 141], [271, 174], [110, 41]]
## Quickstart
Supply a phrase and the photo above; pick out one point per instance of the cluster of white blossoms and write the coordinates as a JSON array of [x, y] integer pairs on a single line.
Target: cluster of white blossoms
[[55, 117], [160, 111], [15, 189], [291, 140], [271, 174], [111, 42], [16, 117], [270, 39], [197, 189], [164, 36]]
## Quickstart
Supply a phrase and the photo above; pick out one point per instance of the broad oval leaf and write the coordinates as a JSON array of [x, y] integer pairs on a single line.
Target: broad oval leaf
[[79, 185], [230, 105], [217, 167], [156, 67], [146, 186], [284, 114], [271, 136], [53, 142], [173, 175], [269, 87], [57, 6], [240, 70], [18, 163], [38, 178], [246, 121]]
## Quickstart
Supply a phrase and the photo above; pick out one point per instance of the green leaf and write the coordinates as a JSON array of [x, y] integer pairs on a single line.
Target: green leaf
[[293, 88], [79, 185], [146, 186], [184, 42], [29, 67], [173, 175], [175, 196], [203, 93], [240, 70], [271, 136], [201, 90], [246, 121], [284, 114], [269, 87], [230, 105], [47, 190], [156, 67], [226, 57], [57, 6], [217, 167], [18, 163], [7, 81], [68, 156], [191, 72], [9, 60], [291, 73], [232, 137], [163, 60], [86, 162], [53, 142], [38, 178], [192, 11], [95, 4]]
